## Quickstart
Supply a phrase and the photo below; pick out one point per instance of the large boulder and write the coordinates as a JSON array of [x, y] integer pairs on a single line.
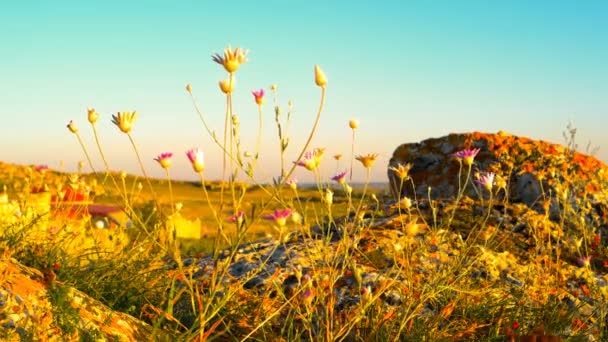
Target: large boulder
[[535, 172]]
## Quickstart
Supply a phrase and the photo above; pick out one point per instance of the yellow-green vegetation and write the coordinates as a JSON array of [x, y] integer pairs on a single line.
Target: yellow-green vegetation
[[246, 259]]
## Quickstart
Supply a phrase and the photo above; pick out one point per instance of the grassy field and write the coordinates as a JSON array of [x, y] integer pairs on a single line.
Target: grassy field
[[242, 261]]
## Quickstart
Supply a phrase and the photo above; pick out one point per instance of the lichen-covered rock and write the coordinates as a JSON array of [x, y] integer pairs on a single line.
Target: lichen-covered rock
[[534, 172], [33, 307]]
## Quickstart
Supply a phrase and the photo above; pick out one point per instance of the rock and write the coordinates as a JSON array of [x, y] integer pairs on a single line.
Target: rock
[[33, 307], [536, 172]]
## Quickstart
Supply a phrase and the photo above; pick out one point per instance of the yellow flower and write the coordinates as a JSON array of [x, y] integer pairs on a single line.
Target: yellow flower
[[227, 86], [72, 127], [93, 116], [402, 170], [405, 202], [273, 87], [368, 160], [124, 120], [318, 155], [353, 123], [329, 197], [320, 78], [231, 59], [189, 88]]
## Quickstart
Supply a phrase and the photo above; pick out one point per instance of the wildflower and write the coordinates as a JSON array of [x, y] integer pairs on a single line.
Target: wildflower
[[515, 325], [92, 115], [273, 87], [227, 86], [72, 127], [189, 88], [366, 295], [124, 120], [466, 155], [258, 96], [123, 175], [42, 168], [164, 159], [368, 160], [585, 261], [279, 216], [232, 59], [307, 162], [402, 171], [311, 160], [196, 158], [238, 218], [353, 123], [486, 180], [329, 197], [337, 156], [307, 296], [292, 183], [340, 178], [179, 206], [320, 78], [500, 182], [81, 165], [296, 217], [56, 265], [318, 154], [405, 202], [349, 189]]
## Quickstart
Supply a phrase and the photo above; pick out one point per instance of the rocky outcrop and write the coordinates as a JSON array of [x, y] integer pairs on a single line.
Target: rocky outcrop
[[534, 172], [34, 307]]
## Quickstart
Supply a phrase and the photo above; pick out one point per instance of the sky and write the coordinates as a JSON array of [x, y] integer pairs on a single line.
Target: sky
[[407, 70]]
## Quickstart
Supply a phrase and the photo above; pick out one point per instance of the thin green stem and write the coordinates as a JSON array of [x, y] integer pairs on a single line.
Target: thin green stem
[[312, 133], [86, 153], [143, 169], [352, 155]]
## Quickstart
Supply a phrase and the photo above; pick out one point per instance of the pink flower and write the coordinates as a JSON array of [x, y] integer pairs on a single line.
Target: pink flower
[[258, 96], [486, 180], [307, 296], [466, 155], [311, 160], [280, 216], [42, 168], [340, 177], [196, 158], [238, 217], [292, 183], [585, 261], [164, 159]]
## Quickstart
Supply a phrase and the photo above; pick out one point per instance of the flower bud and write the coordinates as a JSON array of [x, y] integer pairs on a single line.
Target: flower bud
[[92, 115], [320, 78], [72, 127]]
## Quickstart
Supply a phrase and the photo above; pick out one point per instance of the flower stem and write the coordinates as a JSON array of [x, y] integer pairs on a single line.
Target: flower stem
[[86, 153], [312, 132], [143, 169]]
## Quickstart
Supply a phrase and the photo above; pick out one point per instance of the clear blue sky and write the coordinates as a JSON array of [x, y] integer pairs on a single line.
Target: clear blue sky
[[408, 70]]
